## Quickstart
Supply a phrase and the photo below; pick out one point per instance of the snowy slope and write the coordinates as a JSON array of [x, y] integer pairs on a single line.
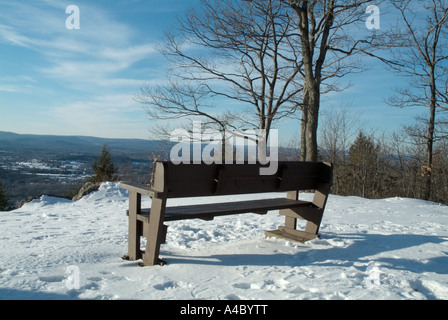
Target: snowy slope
[[370, 249]]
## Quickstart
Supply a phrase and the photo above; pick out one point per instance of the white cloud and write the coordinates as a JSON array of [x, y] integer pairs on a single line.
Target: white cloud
[[9, 88], [114, 115], [100, 51], [9, 35], [16, 84]]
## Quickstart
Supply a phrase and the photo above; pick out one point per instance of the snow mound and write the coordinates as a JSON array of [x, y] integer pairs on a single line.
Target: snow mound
[[394, 248]]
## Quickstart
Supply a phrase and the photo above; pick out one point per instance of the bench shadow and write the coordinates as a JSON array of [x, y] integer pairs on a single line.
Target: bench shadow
[[363, 246]]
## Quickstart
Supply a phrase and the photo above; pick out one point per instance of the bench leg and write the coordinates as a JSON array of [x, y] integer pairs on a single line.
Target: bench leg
[[289, 230], [134, 231], [320, 200], [312, 226], [155, 233]]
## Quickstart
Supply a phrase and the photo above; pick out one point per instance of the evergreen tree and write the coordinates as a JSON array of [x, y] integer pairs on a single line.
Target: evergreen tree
[[363, 166], [103, 167], [3, 197]]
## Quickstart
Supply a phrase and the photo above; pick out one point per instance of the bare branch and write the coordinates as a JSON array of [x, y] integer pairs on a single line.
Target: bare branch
[[239, 52]]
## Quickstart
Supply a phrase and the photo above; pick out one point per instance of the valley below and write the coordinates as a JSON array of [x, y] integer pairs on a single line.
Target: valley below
[[35, 165]]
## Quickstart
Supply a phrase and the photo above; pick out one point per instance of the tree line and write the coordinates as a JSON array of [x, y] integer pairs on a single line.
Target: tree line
[[379, 165]]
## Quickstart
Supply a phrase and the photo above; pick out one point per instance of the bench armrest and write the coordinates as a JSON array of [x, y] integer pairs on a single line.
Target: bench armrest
[[146, 190]]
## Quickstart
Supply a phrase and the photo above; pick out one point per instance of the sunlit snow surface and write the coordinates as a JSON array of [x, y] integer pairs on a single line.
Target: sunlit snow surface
[[369, 249]]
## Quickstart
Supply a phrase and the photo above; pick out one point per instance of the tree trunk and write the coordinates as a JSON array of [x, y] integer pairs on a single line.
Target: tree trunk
[[312, 70], [304, 122], [310, 121], [430, 140], [312, 124]]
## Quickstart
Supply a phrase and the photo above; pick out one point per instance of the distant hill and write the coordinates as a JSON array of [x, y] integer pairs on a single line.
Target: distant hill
[[13, 142], [32, 165]]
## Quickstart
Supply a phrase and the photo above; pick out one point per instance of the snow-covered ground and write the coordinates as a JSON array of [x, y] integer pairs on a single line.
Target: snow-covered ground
[[369, 249]]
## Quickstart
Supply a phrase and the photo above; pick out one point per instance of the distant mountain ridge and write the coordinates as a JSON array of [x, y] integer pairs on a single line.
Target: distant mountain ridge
[[12, 142]]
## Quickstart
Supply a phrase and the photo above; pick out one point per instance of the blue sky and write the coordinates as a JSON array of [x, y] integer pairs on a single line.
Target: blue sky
[[54, 80]]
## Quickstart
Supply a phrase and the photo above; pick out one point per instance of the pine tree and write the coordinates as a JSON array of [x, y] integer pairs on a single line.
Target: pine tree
[[363, 165], [3, 197], [103, 167]]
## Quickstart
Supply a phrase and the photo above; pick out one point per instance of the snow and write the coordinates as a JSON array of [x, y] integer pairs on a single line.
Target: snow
[[369, 249]]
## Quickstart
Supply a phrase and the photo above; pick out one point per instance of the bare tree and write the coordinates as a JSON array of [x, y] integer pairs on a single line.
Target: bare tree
[[402, 164], [339, 127], [326, 43], [181, 101], [424, 60], [230, 52]]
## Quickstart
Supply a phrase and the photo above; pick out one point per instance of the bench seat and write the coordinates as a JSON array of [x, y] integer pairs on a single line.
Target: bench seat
[[209, 211]]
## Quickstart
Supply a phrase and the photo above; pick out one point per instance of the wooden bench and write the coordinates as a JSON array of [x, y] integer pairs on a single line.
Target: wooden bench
[[198, 180]]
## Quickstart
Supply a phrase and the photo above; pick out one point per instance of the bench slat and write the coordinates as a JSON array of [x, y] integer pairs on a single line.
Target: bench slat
[[207, 211], [215, 179]]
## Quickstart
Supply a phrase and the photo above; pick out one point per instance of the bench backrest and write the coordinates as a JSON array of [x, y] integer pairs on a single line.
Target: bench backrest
[[193, 180]]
